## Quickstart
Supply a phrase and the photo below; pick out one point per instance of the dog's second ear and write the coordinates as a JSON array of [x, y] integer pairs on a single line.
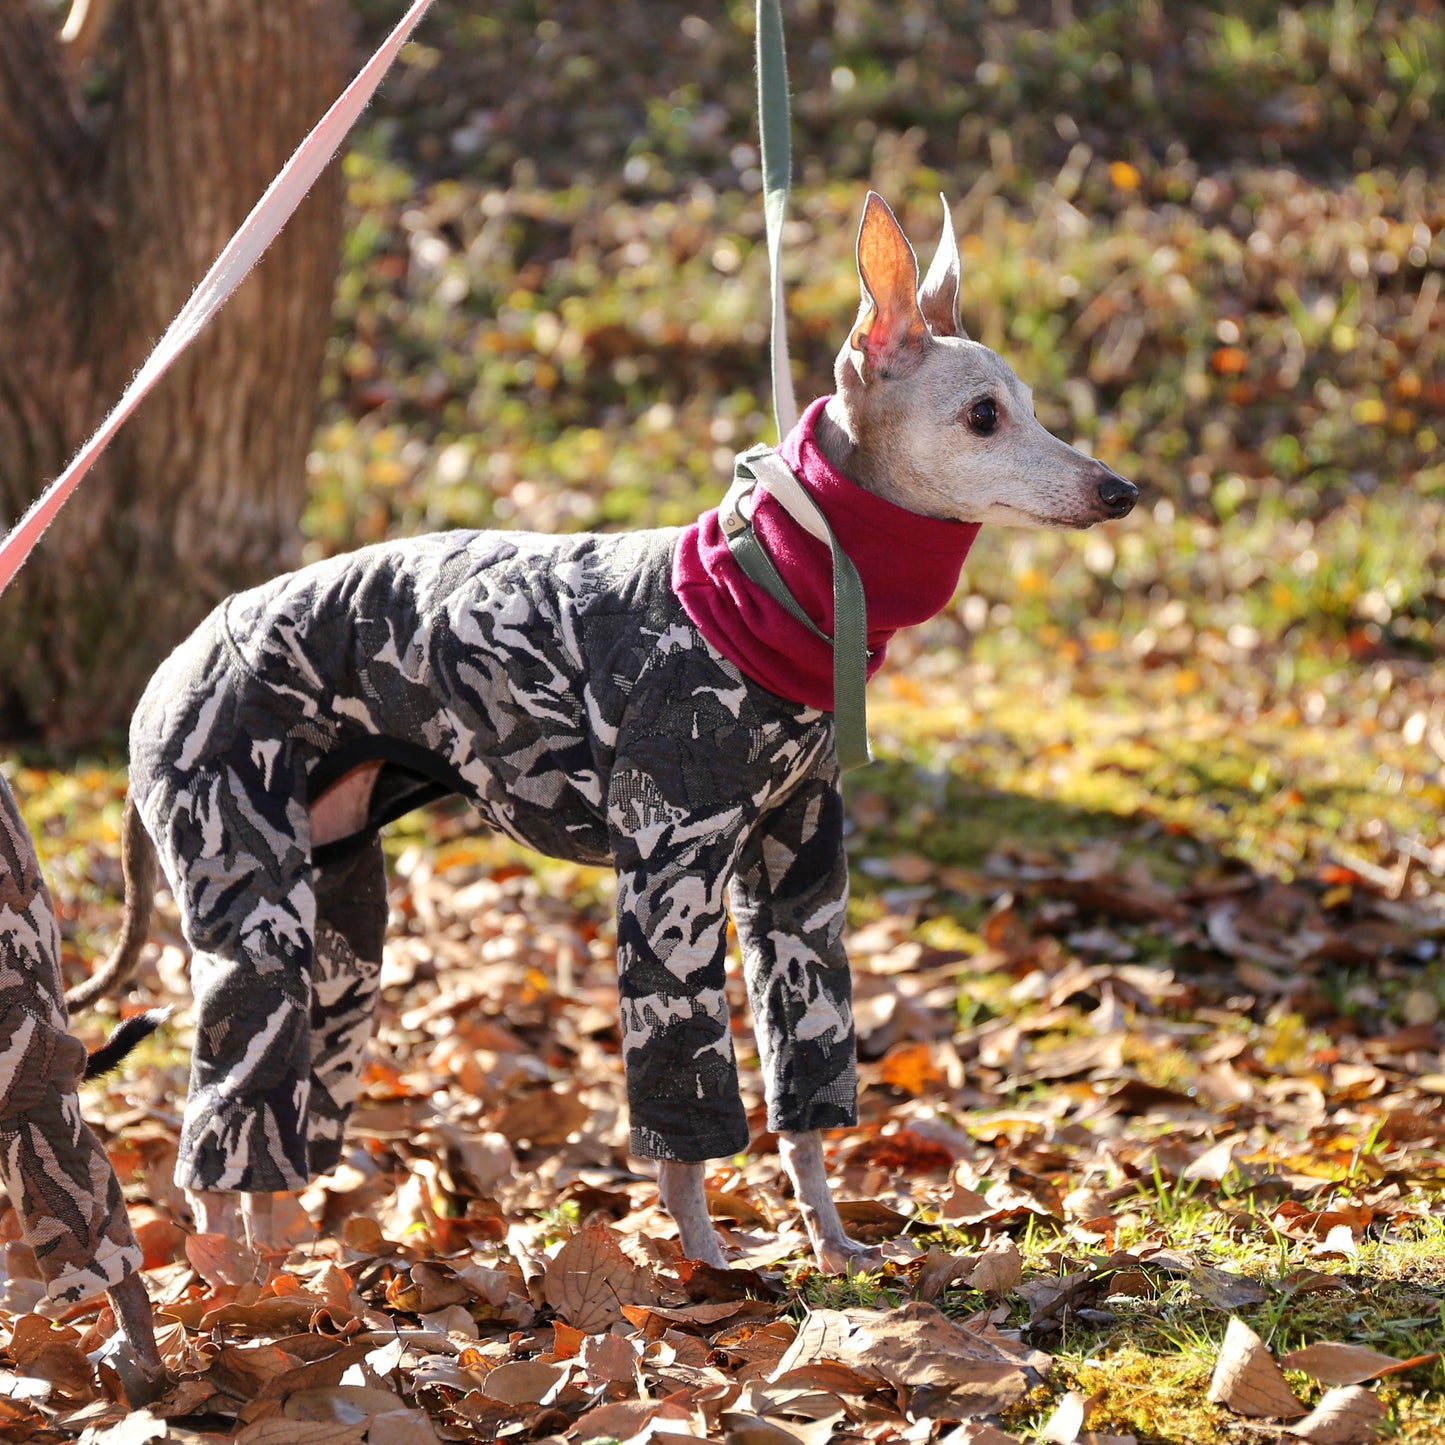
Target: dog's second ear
[[891, 333], [938, 296]]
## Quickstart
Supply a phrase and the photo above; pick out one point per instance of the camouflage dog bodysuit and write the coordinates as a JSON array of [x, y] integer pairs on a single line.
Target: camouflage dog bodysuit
[[52, 1166], [570, 689], [559, 685]]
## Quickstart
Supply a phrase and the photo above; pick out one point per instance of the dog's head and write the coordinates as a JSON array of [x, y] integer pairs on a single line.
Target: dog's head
[[939, 423]]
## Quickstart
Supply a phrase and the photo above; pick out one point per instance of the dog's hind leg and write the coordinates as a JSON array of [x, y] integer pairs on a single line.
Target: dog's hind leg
[[350, 933], [54, 1169], [233, 839]]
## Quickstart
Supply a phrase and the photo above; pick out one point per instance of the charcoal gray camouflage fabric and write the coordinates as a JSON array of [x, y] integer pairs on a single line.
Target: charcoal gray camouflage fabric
[[52, 1166], [559, 685]]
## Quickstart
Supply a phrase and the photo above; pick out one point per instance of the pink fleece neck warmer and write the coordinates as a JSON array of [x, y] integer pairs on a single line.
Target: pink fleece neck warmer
[[910, 565]]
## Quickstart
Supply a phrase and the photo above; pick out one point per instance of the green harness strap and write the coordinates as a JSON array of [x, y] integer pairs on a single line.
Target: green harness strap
[[762, 467]]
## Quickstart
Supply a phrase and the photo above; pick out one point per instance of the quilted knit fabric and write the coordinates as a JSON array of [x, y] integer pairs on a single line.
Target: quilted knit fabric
[[559, 684]]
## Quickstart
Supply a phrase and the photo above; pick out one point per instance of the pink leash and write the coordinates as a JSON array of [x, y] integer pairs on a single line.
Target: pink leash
[[242, 252]]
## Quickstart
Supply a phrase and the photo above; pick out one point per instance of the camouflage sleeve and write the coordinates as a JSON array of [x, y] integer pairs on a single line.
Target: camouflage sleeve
[[52, 1166], [672, 870], [789, 901]]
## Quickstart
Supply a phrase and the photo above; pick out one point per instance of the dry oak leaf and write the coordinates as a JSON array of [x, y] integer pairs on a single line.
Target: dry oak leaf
[[526, 1382], [910, 1068], [1226, 1290], [401, 1427], [939, 1270], [1000, 1267], [281, 1431], [543, 1117], [740, 1428], [590, 1279], [918, 1348], [979, 1432], [1348, 1416], [623, 1419], [1246, 1378], [140, 1427], [873, 1218], [1333, 1363], [725, 1204], [1064, 1426], [220, 1260], [609, 1358], [50, 1352]]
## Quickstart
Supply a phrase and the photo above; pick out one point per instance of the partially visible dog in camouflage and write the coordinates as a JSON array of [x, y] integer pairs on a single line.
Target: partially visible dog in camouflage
[[58, 1177], [623, 699]]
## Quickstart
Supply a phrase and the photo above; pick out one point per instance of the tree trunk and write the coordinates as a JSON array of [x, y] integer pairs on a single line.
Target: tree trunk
[[109, 215]]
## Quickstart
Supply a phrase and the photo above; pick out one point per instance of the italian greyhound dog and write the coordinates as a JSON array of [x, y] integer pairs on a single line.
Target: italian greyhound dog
[[628, 699]]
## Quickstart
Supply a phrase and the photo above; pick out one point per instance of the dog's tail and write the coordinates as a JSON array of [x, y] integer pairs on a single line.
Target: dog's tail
[[123, 1039], [138, 864]]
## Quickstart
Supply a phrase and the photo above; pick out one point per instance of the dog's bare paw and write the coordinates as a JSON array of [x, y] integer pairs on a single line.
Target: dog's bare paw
[[846, 1256]]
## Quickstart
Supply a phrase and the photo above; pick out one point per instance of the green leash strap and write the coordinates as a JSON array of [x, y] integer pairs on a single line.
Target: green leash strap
[[775, 142], [762, 467]]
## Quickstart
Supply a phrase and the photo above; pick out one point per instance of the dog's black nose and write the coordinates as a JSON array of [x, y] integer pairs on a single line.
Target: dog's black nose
[[1117, 495]]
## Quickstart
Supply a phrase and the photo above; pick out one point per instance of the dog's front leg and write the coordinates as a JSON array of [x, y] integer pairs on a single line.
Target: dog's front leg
[[246, 1218], [802, 1155], [790, 899], [681, 1188]]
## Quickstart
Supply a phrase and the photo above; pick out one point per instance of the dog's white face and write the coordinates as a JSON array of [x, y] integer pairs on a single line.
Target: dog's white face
[[939, 423]]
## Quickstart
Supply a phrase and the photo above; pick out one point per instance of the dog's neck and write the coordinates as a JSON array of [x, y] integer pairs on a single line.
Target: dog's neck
[[909, 564], [867, 461]]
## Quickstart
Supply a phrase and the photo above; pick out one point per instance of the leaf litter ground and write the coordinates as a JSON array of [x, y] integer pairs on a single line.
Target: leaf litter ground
[[1140, 1166]]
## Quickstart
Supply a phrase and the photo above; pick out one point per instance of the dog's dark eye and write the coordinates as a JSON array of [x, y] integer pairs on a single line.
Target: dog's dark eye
[[983, 416]]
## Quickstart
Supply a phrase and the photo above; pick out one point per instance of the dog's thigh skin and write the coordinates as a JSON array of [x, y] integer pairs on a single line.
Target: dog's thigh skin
[[52, 1166], [350, 932], [232, 836], [789, 900]]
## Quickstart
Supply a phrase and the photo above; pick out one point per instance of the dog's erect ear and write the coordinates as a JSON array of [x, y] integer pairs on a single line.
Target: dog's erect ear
[[890, 333], [938, 296]]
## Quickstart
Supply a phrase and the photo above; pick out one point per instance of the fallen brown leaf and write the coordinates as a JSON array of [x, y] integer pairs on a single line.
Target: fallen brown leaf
[[1348, 1416], [590, 1279], [1064, 1425], [221, 1260], [1334, 1363], [51, 1352], [280, 1431], [623, 1419], [916, 1348], [979, 1432], [723, 1204], [543, 1117], [1000, 1267], [526, 1382], [609, 1358], [940, 1270], [1225, 1290], [1246, 1378]]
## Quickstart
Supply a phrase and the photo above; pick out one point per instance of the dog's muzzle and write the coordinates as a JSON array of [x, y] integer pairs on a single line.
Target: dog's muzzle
[[1116, 495]]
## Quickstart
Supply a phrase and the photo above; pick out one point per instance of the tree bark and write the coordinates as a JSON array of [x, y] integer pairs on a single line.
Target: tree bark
[[109, 214]]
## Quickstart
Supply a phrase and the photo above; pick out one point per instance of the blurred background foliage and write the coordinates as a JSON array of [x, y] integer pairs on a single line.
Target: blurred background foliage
[[1209, 236], [1212, 238]]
